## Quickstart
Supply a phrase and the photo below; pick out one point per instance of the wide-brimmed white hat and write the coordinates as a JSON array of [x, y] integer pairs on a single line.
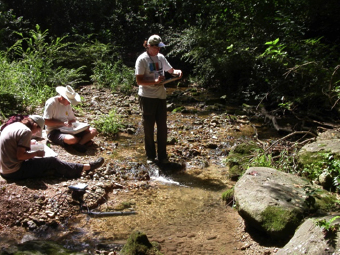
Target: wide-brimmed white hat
[[69, 94]]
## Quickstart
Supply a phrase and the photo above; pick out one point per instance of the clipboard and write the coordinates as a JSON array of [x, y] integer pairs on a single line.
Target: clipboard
[[171, 80]]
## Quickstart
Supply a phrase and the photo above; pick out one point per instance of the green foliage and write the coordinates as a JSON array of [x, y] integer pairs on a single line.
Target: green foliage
[[325, 164], [229, 45], [311, 193], [109, 125], [262, 160], [179, 109], [116, 76], [228, 195], [30, 68], [274, 51], [328, 225], [285, 161]]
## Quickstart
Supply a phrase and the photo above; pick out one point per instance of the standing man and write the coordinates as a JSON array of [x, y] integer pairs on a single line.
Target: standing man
[[150, 68], [58, 113]]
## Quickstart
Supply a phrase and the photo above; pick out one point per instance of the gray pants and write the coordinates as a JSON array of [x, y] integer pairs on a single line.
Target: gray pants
[[154, 112]]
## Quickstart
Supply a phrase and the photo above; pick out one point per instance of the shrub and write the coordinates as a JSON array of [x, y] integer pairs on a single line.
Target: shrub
[[109, 125]]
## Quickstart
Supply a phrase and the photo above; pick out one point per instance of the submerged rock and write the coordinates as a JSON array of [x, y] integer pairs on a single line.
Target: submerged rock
[[38, 248], [138, 244]]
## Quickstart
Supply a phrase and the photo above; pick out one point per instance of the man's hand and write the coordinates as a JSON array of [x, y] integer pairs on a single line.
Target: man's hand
[[177, 73], [159, 80], [40, 153]]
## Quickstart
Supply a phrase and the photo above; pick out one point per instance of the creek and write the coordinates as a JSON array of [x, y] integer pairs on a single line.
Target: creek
[[181, 206]]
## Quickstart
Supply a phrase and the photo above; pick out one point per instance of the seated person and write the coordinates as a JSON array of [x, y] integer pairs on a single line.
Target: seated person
[[18, 162], [58, 113]]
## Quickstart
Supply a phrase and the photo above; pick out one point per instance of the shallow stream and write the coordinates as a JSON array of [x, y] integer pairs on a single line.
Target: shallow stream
[[181, 209]]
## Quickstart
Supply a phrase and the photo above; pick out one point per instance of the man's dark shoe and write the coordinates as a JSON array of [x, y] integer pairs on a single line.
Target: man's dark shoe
[[79, 147], [95, 164]]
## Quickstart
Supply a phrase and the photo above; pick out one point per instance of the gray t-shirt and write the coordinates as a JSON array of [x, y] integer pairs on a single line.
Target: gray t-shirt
[[13, 136], [151, 67]]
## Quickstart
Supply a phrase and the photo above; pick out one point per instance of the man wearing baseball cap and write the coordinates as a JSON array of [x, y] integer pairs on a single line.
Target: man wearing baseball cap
[[149, 71]]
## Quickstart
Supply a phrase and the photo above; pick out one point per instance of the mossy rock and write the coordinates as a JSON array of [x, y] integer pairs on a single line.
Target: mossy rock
[[245, 148], [280, 222], [235, 172], [314, 152], [138, 244], [38, 248], [326, 201], [238, 158], [228, 195]]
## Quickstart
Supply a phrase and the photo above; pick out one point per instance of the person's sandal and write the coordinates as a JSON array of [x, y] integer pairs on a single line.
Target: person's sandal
[[96, 164]]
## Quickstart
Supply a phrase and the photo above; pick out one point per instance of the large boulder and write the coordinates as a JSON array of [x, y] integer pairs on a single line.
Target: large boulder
[[271, 201], [313, 240]]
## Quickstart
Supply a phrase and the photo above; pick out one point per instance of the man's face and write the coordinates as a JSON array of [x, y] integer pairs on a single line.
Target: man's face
[[154, 50], [36, 129], [64, 101]]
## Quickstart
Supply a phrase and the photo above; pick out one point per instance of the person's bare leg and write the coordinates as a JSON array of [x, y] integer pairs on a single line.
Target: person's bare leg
[[88, 136], [70, 139]]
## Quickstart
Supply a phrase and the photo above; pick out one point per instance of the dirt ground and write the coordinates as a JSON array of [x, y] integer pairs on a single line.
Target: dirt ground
[[26, 206]]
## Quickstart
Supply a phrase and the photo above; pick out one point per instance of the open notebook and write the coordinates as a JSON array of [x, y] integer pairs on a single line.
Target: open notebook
[[76, 128], [41, 146]]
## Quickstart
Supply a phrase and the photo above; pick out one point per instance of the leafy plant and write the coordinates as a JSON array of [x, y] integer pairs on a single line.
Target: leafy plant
[[30, 68], [311, 194], [325, 164], [274, 50], [262, 160], [109, 125], [117, 76], [328, 225]]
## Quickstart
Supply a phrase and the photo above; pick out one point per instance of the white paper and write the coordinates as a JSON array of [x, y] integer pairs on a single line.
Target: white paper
[[76, 128]]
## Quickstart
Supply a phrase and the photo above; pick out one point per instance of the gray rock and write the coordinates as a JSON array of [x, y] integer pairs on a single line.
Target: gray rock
[[312, 240], [271, 201]]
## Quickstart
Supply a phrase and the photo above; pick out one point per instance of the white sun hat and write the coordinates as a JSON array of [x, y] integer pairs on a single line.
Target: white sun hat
[[69, 94]]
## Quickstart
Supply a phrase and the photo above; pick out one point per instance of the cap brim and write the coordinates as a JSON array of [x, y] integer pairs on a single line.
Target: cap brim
[[161, 44]]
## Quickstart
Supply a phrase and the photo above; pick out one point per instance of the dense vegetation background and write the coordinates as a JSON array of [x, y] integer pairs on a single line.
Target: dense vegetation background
[[283, 54]]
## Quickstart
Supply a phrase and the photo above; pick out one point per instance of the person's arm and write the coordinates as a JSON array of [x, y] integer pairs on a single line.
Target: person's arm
[[22, 154], [141, 81], [58, 123]]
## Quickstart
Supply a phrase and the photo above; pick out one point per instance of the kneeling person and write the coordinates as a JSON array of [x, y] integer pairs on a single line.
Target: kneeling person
[[58, 113]]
